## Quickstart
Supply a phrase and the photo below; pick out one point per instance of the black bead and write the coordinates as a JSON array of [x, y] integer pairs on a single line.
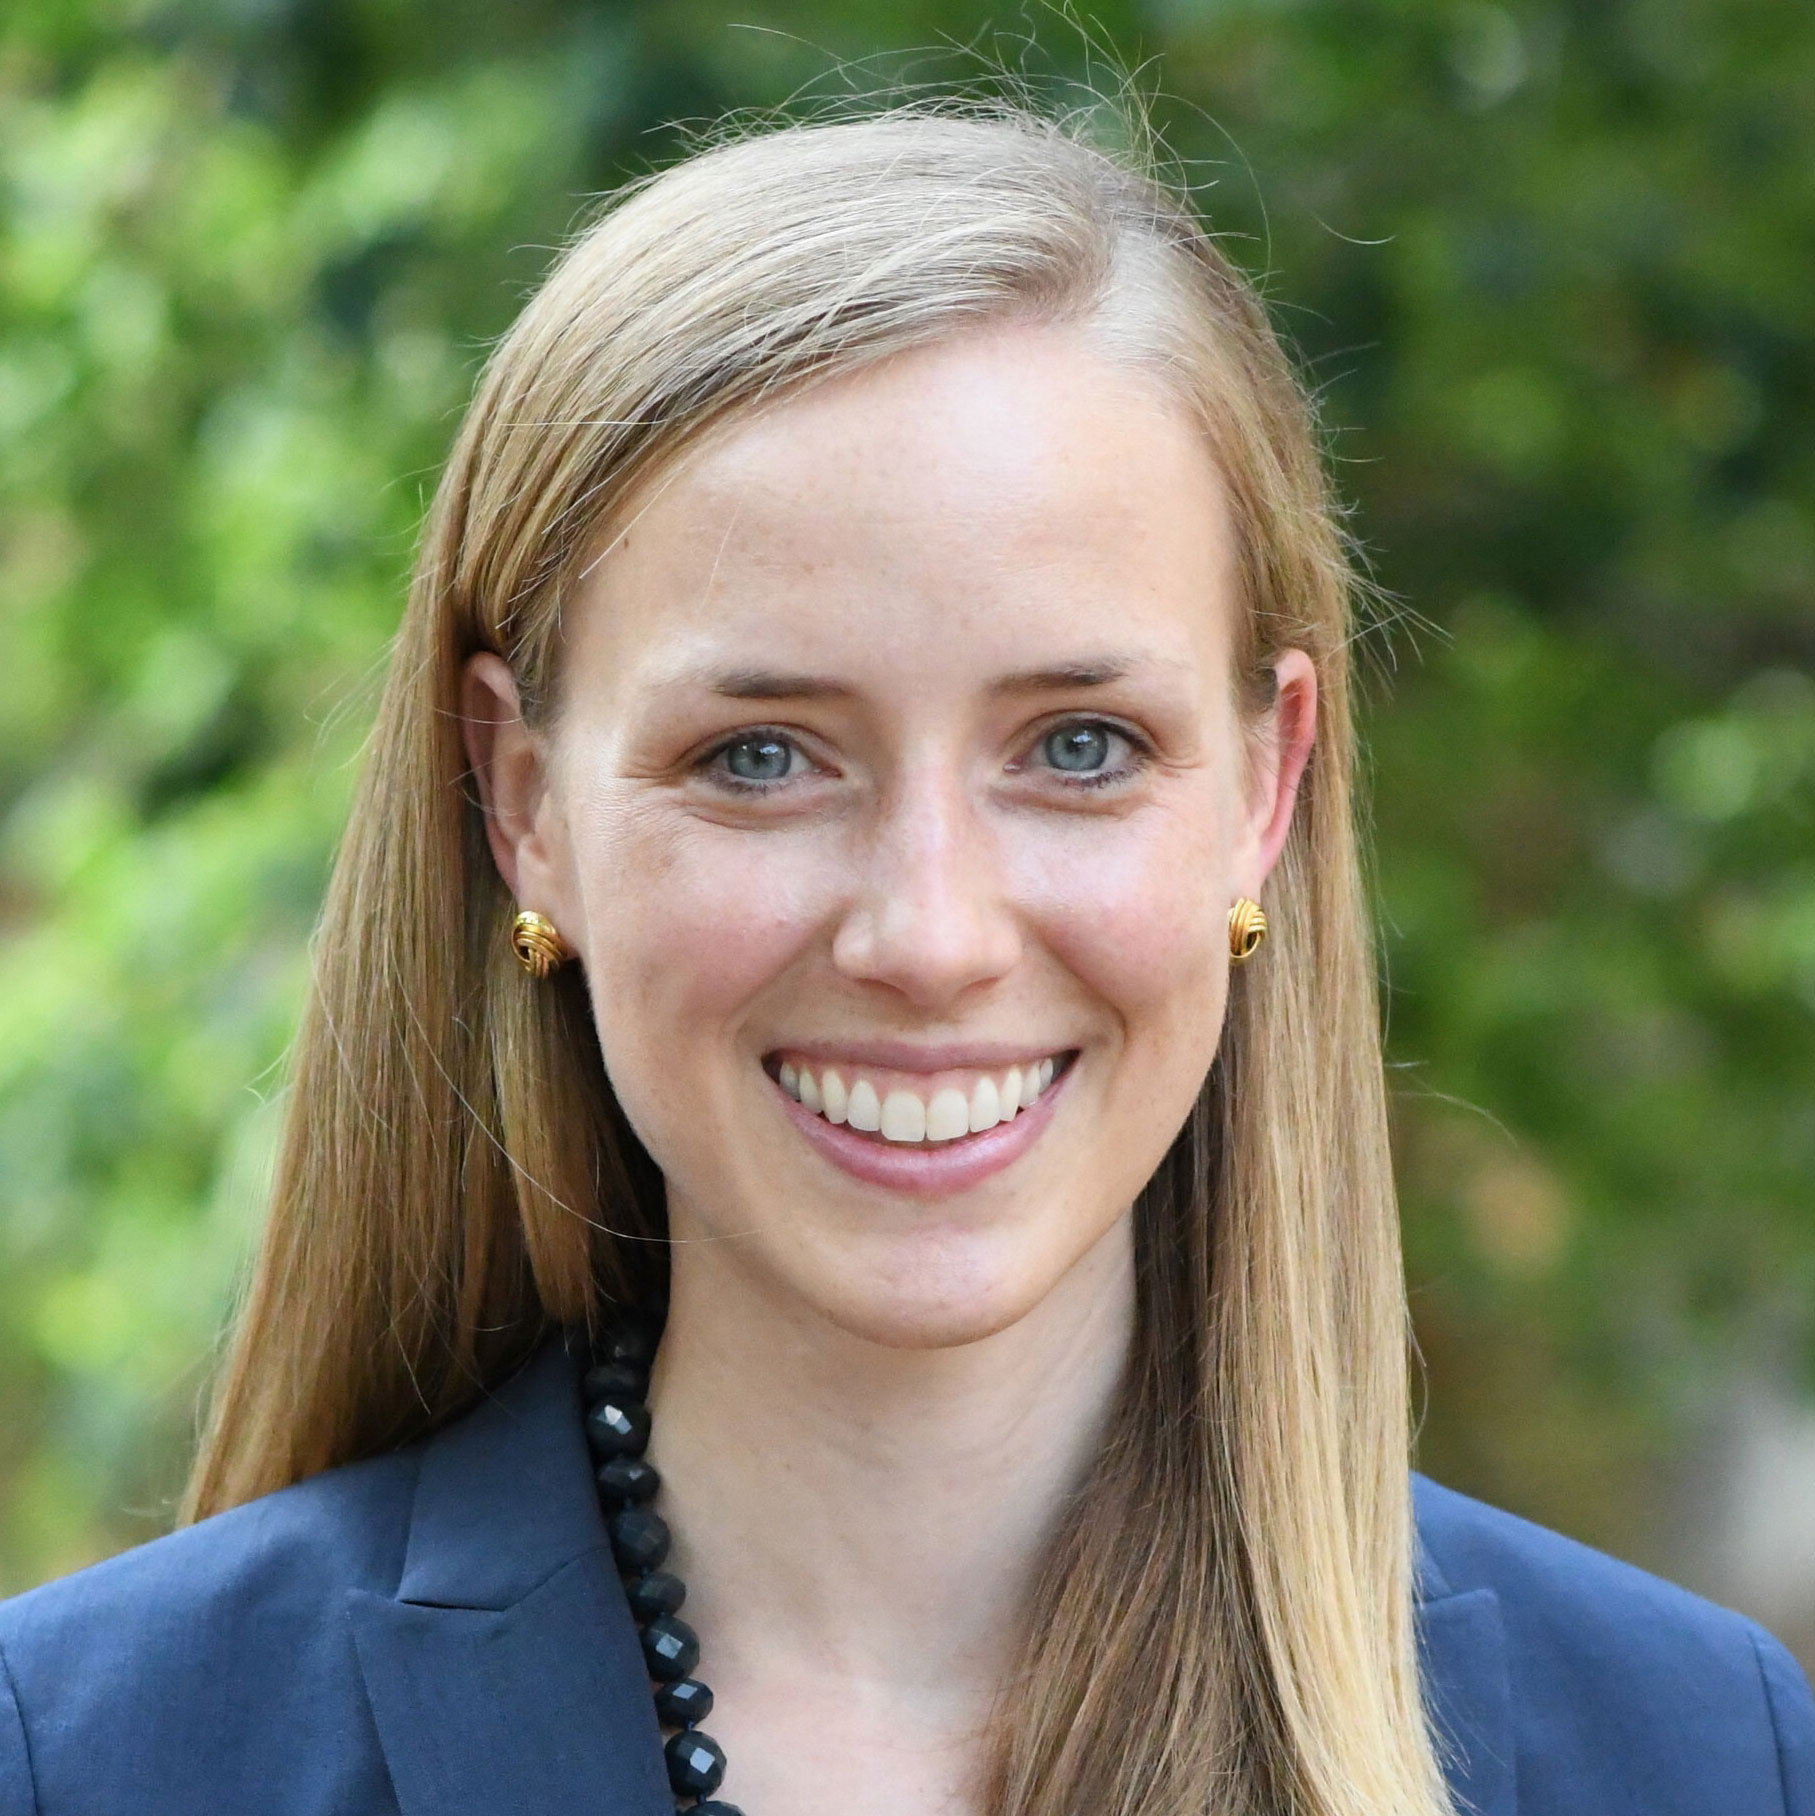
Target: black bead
[[624, 1481], [713, 1807], [656, 1593], [683, 1702], [630, 1344], [614, 1381], [639, 1540], [617, 1428], [696, 1763], [670, 1648]]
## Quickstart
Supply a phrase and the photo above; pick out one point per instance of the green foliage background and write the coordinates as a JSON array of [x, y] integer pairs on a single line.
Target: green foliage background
[[1548, 264]]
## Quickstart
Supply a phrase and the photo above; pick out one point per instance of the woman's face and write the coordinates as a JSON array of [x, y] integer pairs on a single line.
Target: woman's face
[[899, 780]]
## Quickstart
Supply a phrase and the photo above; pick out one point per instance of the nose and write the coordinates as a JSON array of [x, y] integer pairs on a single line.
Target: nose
[[928, 915]]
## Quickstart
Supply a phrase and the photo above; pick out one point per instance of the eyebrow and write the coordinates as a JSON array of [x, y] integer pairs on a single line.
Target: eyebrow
[[773, 684]]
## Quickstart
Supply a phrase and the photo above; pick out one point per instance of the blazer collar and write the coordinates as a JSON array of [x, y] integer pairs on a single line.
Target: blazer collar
[[504, 1496], [1467, 1690], [505, 1676]]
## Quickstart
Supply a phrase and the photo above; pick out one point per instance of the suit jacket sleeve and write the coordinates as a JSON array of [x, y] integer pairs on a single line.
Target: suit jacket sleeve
[[1793, 1720], [17, 1797]]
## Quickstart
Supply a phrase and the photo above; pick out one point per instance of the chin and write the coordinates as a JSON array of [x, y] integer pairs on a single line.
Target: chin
[[944, 1300], [895, 1324]]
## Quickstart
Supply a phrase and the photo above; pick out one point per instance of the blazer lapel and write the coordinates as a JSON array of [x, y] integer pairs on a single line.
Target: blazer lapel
[[1462, 1651], [504, 1676]]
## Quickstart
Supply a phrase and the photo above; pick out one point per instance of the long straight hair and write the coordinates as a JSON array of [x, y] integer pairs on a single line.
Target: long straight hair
[[1224, 1623]]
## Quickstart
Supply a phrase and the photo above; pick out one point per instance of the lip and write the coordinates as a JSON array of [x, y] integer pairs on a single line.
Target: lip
[[941, 1169]]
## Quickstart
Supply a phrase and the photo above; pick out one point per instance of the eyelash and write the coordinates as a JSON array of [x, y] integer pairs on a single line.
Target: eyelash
[[1140, 755]]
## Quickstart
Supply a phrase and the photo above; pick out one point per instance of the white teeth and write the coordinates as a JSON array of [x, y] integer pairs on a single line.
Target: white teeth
[[1011, 1093], [865, 1110], [903, 1117], [948, 1116], [985, 1106]]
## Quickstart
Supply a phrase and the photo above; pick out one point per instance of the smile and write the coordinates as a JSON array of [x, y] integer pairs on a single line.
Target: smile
[[880, 1112], [916, 1111]]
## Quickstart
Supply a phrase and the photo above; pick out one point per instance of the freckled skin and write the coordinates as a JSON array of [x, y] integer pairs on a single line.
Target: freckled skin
[[1000, 503]]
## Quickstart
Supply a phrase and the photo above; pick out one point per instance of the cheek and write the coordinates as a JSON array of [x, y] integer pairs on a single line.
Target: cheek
[[685, 924], [1138, 916], [1143, 929]]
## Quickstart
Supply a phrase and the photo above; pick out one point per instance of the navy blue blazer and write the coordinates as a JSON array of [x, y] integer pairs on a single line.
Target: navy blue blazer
[[440, 1632]]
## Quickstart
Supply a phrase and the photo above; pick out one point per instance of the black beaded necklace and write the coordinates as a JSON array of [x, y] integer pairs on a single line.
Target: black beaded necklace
[[616, 1391]]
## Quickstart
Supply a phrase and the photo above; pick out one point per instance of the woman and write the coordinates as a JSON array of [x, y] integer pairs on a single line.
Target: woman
[[879, 638]]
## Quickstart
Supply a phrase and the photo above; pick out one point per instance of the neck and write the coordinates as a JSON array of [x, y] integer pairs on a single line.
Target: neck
[[872, 1515]]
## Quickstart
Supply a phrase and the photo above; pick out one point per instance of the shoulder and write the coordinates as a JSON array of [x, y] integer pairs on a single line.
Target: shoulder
[[1623, 1691], [270, 1556], [132, 1671]]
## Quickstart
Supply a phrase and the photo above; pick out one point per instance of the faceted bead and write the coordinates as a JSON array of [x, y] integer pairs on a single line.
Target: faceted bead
[[624, 1480], [696, 1763], [614, 1381], [682, 1703], [639, 1540], [617, 1428], [629, 1344], [670, 1648], [656, 1593]]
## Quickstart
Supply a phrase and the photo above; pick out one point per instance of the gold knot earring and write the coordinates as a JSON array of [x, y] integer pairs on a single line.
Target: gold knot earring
[[540, 949], [1247, 928]]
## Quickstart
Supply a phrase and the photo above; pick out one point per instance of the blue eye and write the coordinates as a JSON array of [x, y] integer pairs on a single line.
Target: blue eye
[[758, 759], [1077, 748], [1093, 754]]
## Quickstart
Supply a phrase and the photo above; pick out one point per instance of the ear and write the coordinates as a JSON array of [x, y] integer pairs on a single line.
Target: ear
[[1281, 747], [509, 767]]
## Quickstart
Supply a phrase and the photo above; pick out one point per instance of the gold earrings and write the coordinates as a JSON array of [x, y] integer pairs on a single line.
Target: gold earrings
[[539, 947], [1247, 928]]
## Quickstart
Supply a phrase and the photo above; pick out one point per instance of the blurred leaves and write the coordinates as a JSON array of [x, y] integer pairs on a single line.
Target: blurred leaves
[[1546, 265]]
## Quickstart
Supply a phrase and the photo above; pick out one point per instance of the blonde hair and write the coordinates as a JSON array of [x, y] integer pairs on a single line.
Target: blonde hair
[[1225, 1623]]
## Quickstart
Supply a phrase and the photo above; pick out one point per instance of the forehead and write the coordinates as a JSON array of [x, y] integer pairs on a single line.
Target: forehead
[[994, 501]]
